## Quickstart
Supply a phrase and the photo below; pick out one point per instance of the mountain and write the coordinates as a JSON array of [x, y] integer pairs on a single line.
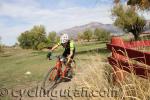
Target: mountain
[[93, 25]]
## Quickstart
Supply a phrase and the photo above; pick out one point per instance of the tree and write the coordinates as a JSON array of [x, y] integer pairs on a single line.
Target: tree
[[87, 35], [0, 40], [105, 36], [52, 37], [0, 45], [57, 39], [128, 20], [142, 4], [41, 46], [101, 34], [38, 35], [25, 40], [80, 36], [97, 34], [32, 38]]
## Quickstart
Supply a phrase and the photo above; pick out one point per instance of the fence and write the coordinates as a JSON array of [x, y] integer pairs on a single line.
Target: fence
[[125, 58]]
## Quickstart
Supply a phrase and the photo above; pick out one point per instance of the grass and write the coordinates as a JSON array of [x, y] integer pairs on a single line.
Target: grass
[[143, 49], [132, 87], [99, 76], [15, 62], [94, 72], [93, 78], [18, 63]]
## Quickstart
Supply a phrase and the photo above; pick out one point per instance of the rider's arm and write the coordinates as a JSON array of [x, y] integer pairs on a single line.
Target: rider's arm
[[51, 50], [69, 57], [54, 47]]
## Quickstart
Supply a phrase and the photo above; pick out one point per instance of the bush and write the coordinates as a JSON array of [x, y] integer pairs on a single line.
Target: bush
[[32, 38], [41, 46]]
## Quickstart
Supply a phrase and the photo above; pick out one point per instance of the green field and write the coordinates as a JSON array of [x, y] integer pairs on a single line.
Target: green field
[[15, 62]]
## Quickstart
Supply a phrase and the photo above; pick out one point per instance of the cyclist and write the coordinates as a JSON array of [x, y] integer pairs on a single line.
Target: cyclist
[[69, 47]]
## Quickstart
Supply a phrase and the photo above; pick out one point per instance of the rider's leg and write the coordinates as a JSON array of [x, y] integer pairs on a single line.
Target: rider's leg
[[67, 69], [68, 66], [65, 72]]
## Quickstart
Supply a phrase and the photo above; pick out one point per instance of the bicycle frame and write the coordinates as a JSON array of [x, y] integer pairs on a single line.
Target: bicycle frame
[[58, 66], [57, 73]]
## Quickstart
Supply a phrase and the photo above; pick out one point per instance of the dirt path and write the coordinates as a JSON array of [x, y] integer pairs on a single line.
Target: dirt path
[[58, 93], [88, 74]]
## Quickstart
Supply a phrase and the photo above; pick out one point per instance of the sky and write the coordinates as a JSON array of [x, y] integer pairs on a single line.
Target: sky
[[17, 16]]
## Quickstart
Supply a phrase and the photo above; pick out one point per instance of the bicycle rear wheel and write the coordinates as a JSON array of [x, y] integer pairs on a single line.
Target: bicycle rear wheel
[[50, 78]]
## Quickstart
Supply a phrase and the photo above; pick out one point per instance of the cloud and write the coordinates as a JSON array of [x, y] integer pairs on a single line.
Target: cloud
[[10, 34], [16, 16], [145, 14]]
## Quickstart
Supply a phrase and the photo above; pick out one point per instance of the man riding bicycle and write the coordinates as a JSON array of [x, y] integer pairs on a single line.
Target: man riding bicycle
[[69, 47]]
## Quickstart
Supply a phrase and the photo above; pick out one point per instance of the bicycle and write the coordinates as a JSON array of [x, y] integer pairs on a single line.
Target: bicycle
[[56, 75]]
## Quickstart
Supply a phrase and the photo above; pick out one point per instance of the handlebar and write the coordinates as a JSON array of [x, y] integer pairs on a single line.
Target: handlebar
[[60, 58]]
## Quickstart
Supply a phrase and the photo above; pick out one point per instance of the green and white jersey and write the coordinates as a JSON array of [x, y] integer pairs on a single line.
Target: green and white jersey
[[70, 45]]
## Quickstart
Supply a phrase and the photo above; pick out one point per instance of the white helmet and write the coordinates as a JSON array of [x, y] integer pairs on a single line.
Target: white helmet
[[64, 38]]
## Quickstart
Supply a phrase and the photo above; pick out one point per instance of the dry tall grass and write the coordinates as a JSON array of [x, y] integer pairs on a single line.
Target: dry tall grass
[[97, 75], [93, 80]]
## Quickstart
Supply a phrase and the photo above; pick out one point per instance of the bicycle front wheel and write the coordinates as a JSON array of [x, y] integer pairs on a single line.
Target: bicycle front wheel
[[50, 78]]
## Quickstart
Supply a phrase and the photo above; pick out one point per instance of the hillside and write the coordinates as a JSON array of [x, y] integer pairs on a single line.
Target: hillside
[[93, 25]]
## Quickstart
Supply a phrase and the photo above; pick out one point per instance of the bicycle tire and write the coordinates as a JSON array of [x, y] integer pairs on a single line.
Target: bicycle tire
[[50, 83]]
